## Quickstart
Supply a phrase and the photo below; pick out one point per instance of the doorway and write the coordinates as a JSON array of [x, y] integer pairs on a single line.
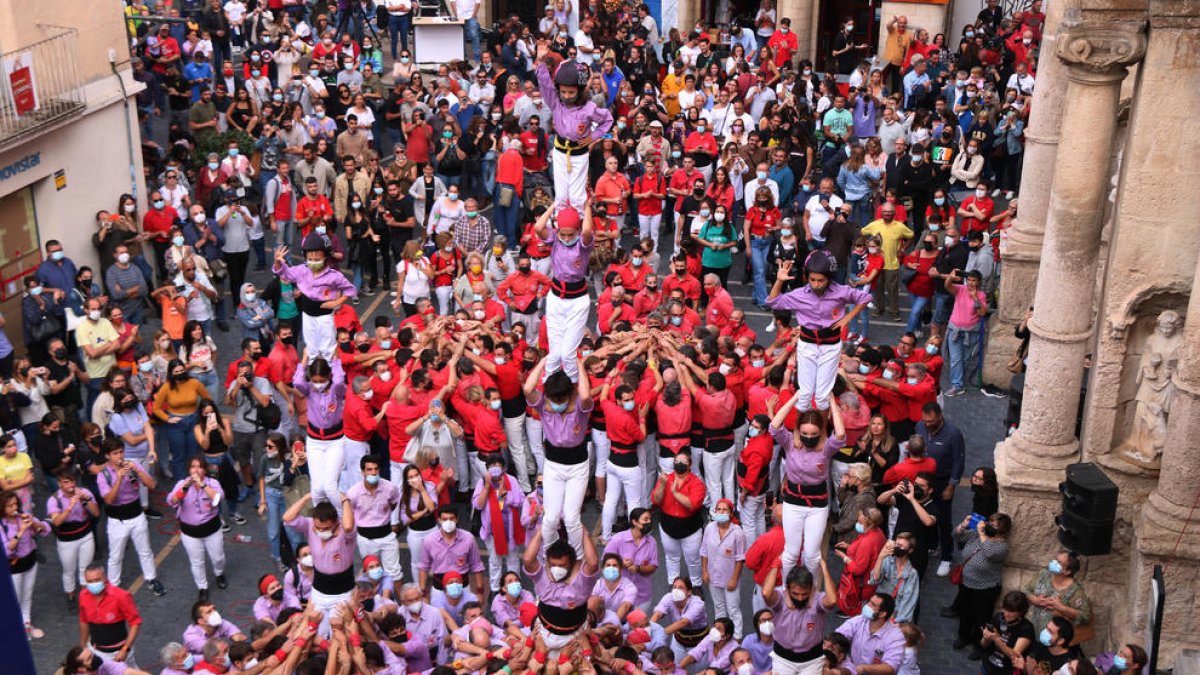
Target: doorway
[[833, 14]]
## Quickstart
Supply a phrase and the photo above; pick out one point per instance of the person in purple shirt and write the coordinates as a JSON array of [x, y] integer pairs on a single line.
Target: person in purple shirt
[[375, 499], [322, 383], [455, 599], [565, 406], [320, 291], [331, 545], [578, 122], [532, 508], [806, 478], [820, 311], [476, 635], [563, 585], [381, 582], [272, 600], [568, 304], [614, 591], [86, 660], [800, 613], [506, 606], [685, 616], [17, 532], [419, 631], [73, 512], [207, 623], [197, 503], [117, 483], [876, 643], [499, 495], [449, 549], [638, 552], [715, 650], [722, 556]]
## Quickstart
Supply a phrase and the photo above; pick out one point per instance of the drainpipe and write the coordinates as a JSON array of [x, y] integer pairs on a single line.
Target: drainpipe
[[112, 62]]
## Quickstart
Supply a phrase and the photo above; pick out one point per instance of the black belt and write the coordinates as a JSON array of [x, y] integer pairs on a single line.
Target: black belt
[[624, 455], [681, 528], [127, 511], [814, 496], [819, 336], [73, 530], [333, 584], [562, 621], [108, 637], [24, 563], [569, 290], [311, 307], [327, 434], [202, 530], [375, 531], [798, 657], [570, 147], [566, 455], [691, 636]]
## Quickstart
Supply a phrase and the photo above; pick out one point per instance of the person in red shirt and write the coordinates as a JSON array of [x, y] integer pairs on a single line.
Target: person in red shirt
[[626, 424], [682, 182], [312, 209], [282, 361], [977, 210], [678, 321], [509, 382], [480, 410], [536, 146], [419, 137], [737, 328], [679, 278], [360, 422], [915, 463], [701, 147], [891, 403], [720, 303], [784, 43], [753, 471], [647, 300], [716, 410], [766, 551], [649, 190], [522, 292], [612, 189], [157, 223], [401, 412], [109, 620], [679, 497]]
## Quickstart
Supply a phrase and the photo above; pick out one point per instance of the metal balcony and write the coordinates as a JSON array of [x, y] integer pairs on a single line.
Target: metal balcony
[[40, 85]]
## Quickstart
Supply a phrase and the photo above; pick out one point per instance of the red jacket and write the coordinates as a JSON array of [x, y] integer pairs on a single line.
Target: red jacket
[[908, 470], [358, 418], [863, 551], [917, 395], [765, 553], [754, 463]]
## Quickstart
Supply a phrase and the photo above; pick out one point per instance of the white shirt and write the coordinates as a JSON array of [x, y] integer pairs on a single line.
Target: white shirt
[[466, 8], [751, 190], [585, 49], [399, 7], [688, 55], [818, 216], [174, 197], [483, 95], [1021, 84]]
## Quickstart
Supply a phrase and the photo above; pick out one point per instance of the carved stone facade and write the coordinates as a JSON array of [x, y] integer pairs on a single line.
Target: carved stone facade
[[1116, 283]]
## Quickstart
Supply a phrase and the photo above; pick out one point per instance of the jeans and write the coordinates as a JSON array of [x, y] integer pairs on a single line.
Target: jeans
[[914, 313], [506, 217], [943, 303], [861, 324], [275, 509], [209, 379], [963, 345], [488, 167], [759, 247], [471, 29], [862, 211], [451, 180], [182, 443], [399, 27]]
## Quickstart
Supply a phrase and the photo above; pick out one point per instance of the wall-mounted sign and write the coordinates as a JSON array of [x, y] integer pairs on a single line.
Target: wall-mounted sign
[[20, 166], [60, 179], [18, 68]]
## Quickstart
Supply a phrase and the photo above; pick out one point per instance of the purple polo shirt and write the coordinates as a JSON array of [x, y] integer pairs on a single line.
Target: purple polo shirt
[[373, 507], [195, 507], [128, 491], [442, 601], [568, 264], [464, 633], [866, 647], [819, 311], [617, 594], [289, 585], [504, 610], [428, 630], [194, 636], [722, 551], [644, 552], [328, 284], [707, 652], [460, 554], [27, 544], [799, 629], [693, 610], [58, 501], [566, 429], [414, 502], [569, 594], [329, 557], [803, 466], [325, 408], [264, 608], [509, 508]]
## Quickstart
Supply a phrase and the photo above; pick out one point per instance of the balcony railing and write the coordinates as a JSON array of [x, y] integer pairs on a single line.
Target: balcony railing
[[41, 84]]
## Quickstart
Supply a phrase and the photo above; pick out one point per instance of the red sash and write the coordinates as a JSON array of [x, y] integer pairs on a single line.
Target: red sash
[[499, 527]]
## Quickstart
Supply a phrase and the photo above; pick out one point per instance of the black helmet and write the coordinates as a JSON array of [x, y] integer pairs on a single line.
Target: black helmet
[[820, 261], [315, 242], [569, 73]]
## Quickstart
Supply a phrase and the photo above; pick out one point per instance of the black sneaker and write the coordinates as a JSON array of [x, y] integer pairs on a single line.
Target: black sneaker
[[225, 526], [238, 518], [992, 391], [152, 513], [156, 587], [221, 582], [203, 595]]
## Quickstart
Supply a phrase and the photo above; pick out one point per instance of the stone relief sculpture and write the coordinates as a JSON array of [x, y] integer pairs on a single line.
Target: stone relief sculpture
[[1155, 389]]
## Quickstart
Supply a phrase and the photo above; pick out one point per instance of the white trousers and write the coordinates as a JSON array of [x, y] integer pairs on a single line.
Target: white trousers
[[648, 226], [816, 371], [718, 477], [445, 299], [328, 604], [566, 321], [325, 469], [728, 603], [23, 583], [352, 454], [214, 546], [119, 534], [600, 449], [387, 550], [570, 178], [625, 481], [753, 516], [75, 556], [320, 336], [497, 564], [782, 666], [803, 528], [564, 487], [689, 549], [518, 448], [541, 265], [537, 448], [648, 461], [415, 539]]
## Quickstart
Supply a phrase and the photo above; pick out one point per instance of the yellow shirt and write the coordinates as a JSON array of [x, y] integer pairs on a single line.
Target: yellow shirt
[[96, 334], [891, 234], [16, 468], [671, 86], [897, 46]]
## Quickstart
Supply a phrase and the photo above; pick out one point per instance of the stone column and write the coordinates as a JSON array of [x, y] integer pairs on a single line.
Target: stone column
[[1096, 55], [803, 16], [1024, 248]]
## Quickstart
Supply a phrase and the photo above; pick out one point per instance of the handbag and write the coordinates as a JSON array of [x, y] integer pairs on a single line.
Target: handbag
[[907, 274], [851, 592], [219, 269], [1016, 362], [504, 197], [956, 572], [47, 328]]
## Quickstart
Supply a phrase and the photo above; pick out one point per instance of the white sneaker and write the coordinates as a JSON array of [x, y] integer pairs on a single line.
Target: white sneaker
[[943, 569], [1009, 195], [771, 326], [996, 192]]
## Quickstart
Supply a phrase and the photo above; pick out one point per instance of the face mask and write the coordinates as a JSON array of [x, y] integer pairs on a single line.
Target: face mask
[[1120, 662], [314, 73], [190, 661], [1045, 638], [558, 407], [810, 442], [980, 194], [887, 374], [675, 154], [404, 59], [681, 468], [214, 619], [94, 315], [569, 242], [453, 196], [454, 590], [178, 240], [95, 587], [356, 205], [868, 612], [385, 375], [414, 608], [700, 130], [558, 573], [949, 241], [721, 518], [35, 291], [325, 535], [766, 627], [912, 380], [1055, 567], [372, 480], [611, 573], [703, 213], [863, 369], [306, 561], [320, 386], [449, 526], [158, 205], [859, 528], [514, 588], [678, 594], [627, 406], [786, 232], [939, 200]]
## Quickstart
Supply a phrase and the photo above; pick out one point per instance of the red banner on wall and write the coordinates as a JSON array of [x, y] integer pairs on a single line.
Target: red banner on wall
[[19, 70]]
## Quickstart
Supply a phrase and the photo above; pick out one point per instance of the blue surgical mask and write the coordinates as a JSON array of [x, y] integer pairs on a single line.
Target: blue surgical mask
[[636, 262], [721, 518], [495, 404], [887, 375], [931, 349], [704, 213], [762, 175], [558, 407], [514, 588], [611, 573], [863, 369], [454, 590], [758, 363], [95, 587], [912, 380], [372, 480], [158, 205], [36, 291], [1045, 637], [675, 154], [1055, 567], [785, 232], [753, 431], [868, 612], [453, 196], [627, 406], [676, 320], [178, 241], [385, 344], [189, 662], [1120, 662], [939, 200], [234, 152], [970, 33], [213, 166], [376, 573], [404, 59], [858, 527]]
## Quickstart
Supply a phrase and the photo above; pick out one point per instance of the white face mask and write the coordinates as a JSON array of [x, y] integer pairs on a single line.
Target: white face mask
[[678, 594], [766, 627], [413, 608], [558, 573], [385, 375], [94, 315], [325, 535], [306, 561], [449, 526], [745, 669], [214, 619], [320, 386]]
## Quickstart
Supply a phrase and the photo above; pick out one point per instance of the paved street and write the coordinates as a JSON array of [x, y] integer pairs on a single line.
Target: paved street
[[165, 618]]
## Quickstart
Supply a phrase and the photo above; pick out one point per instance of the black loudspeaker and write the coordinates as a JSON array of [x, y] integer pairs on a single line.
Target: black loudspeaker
[[1089, 509]]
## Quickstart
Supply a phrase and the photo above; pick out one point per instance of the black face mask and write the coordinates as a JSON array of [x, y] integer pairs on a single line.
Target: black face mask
[[523, 269], [254, 356], [810, 442], [989, 530], [289, 340], [24, 372], [369, 604], [277, 595], [363, 348], [60, 353], [928, 245], [346, 347], [681, 468], [182, 377], [900, 552], [919, 492]]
